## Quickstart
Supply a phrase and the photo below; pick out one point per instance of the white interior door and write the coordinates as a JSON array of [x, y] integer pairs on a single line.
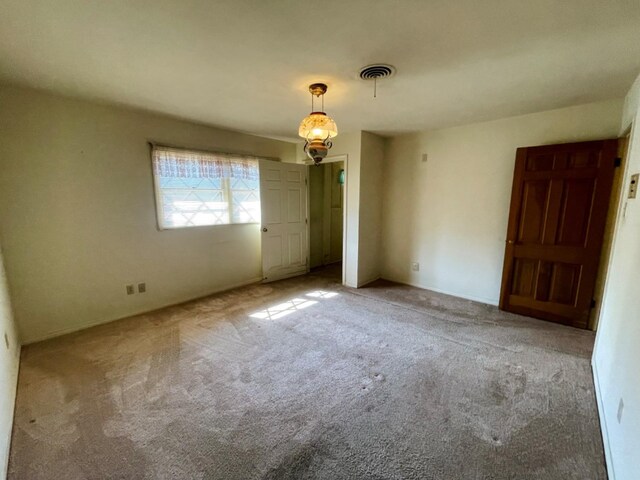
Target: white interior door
[[283, 199]]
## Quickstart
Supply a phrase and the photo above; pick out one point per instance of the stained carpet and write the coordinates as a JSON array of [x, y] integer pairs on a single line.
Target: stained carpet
[[306, 379]]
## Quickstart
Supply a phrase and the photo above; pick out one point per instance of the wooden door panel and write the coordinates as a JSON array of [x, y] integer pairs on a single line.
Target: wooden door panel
[[577, 202], [544, 310], [546, 281], [583, 159], [558, 211], [535, 195], [540, 162], [564, 283], [525, 277]]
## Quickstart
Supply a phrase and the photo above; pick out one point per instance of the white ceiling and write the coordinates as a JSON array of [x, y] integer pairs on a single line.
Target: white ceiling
[[246, 64]]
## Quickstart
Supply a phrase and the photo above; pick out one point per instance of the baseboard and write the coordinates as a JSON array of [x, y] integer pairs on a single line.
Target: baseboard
[[4, 465], [603, 422], [367, 282], [65, 331], [486, 301]]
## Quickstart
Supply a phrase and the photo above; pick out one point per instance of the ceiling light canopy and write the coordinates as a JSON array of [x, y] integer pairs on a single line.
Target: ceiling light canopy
[[317, 128]]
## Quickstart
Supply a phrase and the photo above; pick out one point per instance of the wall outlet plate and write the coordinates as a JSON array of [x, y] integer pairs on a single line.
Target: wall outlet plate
[[633, 185], [415, 266], [130, 290], [142, 287]]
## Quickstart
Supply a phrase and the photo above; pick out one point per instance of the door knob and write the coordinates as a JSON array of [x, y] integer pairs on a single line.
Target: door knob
[[510, 242], [265, 229]]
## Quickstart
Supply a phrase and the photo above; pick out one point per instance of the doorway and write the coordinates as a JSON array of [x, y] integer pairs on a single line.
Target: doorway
[[559, 204], [326, 211], [283, 205]]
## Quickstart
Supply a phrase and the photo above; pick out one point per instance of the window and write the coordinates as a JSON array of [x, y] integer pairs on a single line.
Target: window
[[199, 188]]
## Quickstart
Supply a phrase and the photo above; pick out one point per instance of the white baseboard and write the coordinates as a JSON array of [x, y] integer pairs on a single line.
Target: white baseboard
[[487, 301], [603, 423], [367, 282], [4, 460], [77, 328]]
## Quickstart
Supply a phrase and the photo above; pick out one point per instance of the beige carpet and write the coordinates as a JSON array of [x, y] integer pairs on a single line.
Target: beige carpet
[[306, 379]]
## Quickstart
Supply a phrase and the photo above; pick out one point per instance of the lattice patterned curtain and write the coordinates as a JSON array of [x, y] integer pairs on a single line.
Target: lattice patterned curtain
[[171, 162]]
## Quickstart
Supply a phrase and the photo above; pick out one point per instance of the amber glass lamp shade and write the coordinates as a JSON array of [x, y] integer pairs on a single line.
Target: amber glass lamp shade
[[317, 126]]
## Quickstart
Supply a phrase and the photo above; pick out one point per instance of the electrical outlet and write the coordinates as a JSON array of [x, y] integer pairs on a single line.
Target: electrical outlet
[[130, 290], [415, 266], [620, 409], [142, 287], [633, 187], [424, 158]]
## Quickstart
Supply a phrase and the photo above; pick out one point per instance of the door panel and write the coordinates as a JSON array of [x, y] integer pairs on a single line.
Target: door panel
[[534, 200], [564, 281], [576, 210], [559, 204], [295, 249], [271, 197], [283, 195], [333, 213], [294, 212], [525, 276]]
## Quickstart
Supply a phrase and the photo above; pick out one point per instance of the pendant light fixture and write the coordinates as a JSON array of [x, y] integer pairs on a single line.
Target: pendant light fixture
[[317, 128]]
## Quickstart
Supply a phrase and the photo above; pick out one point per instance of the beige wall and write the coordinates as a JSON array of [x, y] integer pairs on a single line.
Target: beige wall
[[351, 145], [450, 212], [77, 218], [616, 360], [371, 194], [9, 361]]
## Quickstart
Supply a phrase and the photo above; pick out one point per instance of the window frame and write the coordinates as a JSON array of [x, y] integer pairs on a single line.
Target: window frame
[[225, 182]]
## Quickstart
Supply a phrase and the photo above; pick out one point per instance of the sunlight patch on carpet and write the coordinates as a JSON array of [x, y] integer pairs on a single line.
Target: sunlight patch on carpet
[[283, 309]]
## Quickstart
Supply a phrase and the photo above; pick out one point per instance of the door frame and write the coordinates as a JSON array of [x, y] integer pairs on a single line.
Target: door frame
[[616, 204], [332, 159]]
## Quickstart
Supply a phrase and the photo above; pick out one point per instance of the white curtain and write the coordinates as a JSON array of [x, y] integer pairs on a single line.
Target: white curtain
[[177, 163]]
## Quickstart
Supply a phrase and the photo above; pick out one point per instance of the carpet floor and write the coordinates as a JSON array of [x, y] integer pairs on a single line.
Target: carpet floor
[[306, 379]]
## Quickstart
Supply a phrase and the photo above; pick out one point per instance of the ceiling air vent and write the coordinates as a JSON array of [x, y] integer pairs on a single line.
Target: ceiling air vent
[[376, 71]]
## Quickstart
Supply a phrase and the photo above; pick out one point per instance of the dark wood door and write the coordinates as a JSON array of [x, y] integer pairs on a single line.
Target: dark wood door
[[558, 213]]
